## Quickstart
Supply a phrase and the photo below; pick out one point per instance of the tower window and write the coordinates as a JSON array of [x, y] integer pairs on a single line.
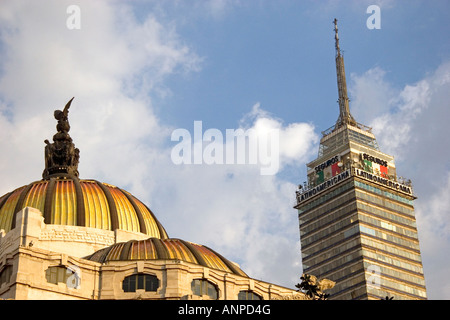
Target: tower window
[[202, 287], [248, 295], [144, 281]]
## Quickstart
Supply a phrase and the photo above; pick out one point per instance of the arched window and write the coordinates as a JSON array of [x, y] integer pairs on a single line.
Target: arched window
[[68, 275], [148, 282], [5, 274], [248, 295], [202, 287]]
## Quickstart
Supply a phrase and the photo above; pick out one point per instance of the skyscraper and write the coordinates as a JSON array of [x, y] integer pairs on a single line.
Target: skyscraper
[[356, 216]]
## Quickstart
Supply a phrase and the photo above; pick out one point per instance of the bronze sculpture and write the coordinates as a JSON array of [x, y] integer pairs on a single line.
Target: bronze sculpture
[[61, 156]]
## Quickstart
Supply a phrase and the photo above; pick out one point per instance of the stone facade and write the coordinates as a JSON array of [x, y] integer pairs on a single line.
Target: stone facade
[[42, 261]]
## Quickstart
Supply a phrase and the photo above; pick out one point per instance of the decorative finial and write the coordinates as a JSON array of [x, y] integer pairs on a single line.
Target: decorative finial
[[61, 156]]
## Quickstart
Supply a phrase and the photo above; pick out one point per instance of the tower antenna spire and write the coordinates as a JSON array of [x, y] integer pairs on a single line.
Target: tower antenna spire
[[344, 110]]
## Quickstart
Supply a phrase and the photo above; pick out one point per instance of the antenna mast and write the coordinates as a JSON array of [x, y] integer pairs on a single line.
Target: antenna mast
[[344, 110]]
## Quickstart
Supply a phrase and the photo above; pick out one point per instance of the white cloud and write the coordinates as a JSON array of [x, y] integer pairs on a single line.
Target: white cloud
[[112, 66], [434, 233], [246, 216], [371, 95], [296, 140], [215, 8], [218, 7]]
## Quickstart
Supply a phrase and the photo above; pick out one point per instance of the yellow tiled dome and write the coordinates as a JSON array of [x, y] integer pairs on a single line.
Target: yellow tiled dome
[[165, 249], [64, 199], [87, 203]]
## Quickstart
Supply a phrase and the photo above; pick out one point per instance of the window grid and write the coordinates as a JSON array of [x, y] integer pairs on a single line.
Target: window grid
[[140, 281], [248, 295], [202, 287]]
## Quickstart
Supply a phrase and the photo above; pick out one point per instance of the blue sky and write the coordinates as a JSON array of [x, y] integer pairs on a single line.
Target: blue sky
[[281, 53], [139, 70]]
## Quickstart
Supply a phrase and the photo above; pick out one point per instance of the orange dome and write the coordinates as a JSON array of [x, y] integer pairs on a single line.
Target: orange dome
[[87, 203]]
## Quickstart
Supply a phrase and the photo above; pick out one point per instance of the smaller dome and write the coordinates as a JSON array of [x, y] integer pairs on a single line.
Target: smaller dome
[[165, 249]]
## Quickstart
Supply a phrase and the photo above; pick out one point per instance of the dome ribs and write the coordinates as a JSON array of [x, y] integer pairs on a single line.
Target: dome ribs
[[166, 249], [64, 207], [3, 219], [19, 203], [83, 203], [125, 252], [36, 196], [49, 201], [140, 217], [112, 206], [104, 254], [195, 252], [228, 263], [4, 198], [81, 216], [96, 206], [161, 249]]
